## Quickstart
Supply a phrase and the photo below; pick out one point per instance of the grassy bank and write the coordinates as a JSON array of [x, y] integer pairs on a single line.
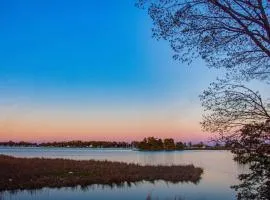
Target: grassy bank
[[33, 173]]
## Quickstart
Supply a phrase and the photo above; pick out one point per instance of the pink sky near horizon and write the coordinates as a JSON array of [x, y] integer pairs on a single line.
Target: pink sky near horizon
[[39, 124]]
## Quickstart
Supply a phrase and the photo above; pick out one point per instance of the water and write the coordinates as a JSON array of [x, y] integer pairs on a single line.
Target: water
[[220, 172]]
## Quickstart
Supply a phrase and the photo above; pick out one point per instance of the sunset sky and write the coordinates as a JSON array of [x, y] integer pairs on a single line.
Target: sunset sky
[[90, 70]]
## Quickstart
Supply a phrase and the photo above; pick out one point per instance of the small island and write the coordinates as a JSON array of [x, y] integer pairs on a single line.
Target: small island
[[34, 173]]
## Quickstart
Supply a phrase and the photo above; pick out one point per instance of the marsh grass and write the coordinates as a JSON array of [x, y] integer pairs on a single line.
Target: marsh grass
[[34, 173]]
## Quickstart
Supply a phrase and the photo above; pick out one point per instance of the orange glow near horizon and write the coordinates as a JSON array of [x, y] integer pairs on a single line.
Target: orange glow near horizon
[[40, 125]]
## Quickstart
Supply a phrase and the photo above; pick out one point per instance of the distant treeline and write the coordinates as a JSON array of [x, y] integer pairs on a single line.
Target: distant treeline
[[148, 144], [168, 144], [22, 144], [93, 144]]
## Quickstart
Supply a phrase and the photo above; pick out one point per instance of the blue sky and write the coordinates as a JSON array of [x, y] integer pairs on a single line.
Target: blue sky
[[80, 56]]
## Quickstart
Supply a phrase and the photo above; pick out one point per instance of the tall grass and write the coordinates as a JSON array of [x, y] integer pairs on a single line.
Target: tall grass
[[33, 173]]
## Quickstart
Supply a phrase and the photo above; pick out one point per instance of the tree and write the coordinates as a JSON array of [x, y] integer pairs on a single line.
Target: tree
[[241, 117], [151, 143], [234, 34], [169, 144], [199, 145], [180, 145], [253, 148], [229, 107]]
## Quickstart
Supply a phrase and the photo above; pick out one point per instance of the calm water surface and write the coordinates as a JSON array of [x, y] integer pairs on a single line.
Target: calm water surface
[[220, 172]]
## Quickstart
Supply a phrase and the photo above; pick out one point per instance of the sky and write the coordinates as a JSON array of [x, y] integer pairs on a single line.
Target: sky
[[90, 70]]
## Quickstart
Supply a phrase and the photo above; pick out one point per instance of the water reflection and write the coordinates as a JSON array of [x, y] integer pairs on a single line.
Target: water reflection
[[150, 197], [164, 158], [220, 172], [139, 190]]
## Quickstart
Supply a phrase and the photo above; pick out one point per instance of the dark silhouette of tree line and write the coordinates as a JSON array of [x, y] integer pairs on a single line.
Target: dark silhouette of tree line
[[75, 143], [168, 144], [21, 143], [149, 144], [92, 144]]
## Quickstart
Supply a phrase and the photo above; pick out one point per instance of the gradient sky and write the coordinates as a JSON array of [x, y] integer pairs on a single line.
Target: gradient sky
[[90, 70]]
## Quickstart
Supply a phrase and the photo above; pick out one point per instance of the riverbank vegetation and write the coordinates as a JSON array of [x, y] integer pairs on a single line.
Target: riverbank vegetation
[[34, 173]]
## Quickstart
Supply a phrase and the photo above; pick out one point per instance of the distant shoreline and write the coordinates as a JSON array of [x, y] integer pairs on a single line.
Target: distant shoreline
[[124, 148], [148, 144], [35, 173]]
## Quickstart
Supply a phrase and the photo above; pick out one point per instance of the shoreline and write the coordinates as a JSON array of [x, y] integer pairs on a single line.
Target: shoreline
[[119, 148], [35, 173]]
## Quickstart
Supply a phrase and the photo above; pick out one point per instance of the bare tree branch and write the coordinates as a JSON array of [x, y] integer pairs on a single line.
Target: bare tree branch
[[219, 31]]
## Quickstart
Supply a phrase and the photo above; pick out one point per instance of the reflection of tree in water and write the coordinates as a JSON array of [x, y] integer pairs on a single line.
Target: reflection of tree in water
[[149, 197], [157, 158]]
